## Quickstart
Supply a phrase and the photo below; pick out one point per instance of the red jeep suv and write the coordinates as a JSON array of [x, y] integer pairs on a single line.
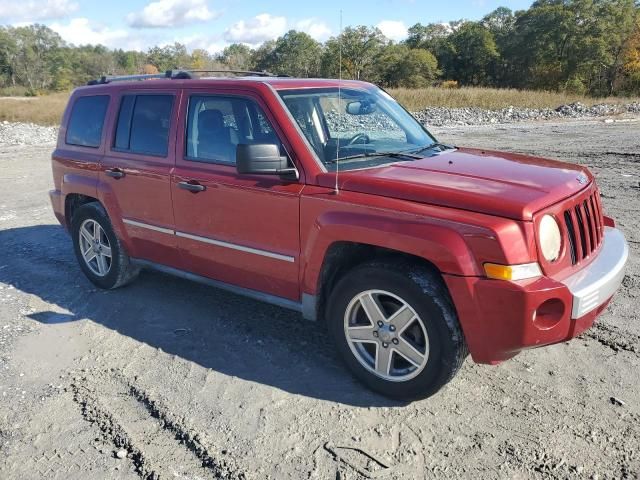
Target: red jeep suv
[[328, 198]]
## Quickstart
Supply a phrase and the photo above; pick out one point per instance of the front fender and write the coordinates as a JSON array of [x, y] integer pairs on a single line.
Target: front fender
[[430, 239]]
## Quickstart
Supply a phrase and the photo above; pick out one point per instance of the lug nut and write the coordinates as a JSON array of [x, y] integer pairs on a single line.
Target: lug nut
[[385, 345], [392, 328], [395, 341], [380, 324], [375, 333]]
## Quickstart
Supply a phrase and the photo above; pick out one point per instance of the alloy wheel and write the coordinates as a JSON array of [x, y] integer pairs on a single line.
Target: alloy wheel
[[386, 335], [95, 247]]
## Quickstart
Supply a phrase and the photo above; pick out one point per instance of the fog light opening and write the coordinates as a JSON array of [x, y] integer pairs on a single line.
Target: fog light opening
[[549, 314]]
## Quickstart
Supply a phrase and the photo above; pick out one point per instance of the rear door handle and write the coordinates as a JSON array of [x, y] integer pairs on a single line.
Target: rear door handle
[[114, 173], [191, 186]]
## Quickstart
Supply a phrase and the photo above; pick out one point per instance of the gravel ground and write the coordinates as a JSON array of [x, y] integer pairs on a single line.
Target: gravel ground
[[166, 378]]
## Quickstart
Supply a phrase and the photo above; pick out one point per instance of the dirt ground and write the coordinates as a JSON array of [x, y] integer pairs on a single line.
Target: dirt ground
[[186, 381]]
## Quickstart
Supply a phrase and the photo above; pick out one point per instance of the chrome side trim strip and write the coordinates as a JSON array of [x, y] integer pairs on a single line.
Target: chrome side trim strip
[[245, 292], [148, 227], [219, 243], [240, 248]]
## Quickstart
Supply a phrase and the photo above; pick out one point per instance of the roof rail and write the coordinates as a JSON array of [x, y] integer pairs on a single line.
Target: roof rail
[[239, 72], [178, 74], [173, 74]]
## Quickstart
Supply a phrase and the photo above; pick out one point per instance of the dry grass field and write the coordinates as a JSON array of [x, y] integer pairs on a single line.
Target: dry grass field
[[491, 98], [47, 109], [43, 110]]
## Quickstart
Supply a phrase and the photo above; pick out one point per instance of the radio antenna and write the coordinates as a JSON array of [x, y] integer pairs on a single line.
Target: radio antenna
[[339, 103]]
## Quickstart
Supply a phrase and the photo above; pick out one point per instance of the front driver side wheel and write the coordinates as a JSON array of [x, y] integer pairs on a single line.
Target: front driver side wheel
[[396, 329]]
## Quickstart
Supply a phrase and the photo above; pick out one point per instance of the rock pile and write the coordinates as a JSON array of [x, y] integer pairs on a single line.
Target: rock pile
[[26, 134], [440, 116]]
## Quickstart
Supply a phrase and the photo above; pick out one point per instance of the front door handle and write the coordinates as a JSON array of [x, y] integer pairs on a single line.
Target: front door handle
[[191, 186], [114, 173]]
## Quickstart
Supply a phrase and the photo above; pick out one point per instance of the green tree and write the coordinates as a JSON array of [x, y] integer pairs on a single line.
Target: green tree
[[31, 59], [436, 38], [168, 57], [8, 53], [427, 36], [571, 42], [401, 66], [360, 46], [473, 55], [295, 54], [263, 58], [236, 56]]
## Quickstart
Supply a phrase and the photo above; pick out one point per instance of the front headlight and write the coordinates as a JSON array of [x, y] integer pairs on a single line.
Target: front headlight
[[550, 238]]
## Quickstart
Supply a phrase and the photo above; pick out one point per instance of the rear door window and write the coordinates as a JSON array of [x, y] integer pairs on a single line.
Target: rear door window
[[143, 124], [87, 120]]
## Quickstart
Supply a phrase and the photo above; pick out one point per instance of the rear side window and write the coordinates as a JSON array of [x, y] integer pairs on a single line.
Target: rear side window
[[86, 121], [143, 124]]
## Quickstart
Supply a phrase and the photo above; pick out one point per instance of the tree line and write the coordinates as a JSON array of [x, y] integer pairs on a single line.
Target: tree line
[[580, 46]]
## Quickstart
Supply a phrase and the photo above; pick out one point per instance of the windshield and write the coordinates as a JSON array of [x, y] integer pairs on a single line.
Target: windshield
[[363, 128]]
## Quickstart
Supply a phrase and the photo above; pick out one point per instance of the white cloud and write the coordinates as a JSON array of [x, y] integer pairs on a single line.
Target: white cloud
[[315, 28], [212, 44], [31, 11], [171, 13], [393, 29], [80, 31], [256, 30]]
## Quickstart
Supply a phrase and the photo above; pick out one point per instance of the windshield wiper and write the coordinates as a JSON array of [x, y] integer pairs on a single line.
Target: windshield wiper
[[376, 154], [433, 146]]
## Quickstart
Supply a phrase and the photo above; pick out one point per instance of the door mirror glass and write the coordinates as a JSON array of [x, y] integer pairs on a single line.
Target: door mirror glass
[[262, 159]]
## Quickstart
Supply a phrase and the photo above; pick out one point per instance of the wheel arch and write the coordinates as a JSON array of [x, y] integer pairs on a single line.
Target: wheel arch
[[339, 241], [343, 256], [72, 202]]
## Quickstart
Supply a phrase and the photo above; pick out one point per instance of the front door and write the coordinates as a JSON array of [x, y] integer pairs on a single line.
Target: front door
[[135, 173], [238, 229]]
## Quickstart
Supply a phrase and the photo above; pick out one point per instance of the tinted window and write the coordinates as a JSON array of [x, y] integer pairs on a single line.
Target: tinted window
[[143, 124], [217, 125], [87, 120]]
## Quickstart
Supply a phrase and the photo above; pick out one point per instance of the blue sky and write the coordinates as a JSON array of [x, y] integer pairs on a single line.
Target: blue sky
[[213, 24]]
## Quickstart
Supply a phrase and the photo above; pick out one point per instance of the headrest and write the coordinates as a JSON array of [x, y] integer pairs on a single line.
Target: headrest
[[210, 120]]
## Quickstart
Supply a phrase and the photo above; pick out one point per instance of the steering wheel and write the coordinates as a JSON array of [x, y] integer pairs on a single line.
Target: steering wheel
[[359, 138]]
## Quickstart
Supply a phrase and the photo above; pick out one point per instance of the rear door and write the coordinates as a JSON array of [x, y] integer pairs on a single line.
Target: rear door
[[135, 172], [239, 229]]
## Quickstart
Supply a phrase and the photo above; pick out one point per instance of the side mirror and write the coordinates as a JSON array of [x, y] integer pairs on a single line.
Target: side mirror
[[263, 159], [361, 108]]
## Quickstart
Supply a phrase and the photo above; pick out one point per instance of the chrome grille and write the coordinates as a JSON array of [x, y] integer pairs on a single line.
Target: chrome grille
[[585, 226]]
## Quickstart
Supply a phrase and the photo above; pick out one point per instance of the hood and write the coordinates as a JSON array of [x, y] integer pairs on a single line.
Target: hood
[[496, 183]]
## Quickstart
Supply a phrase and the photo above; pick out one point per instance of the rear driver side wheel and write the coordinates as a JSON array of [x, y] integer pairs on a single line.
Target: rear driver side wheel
[[396, 329], [98, 249]]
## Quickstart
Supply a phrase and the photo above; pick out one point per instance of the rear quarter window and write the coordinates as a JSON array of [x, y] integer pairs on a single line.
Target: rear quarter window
[[87, 120]]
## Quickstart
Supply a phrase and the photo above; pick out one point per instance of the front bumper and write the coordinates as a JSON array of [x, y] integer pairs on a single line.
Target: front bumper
[[596, 283], [501, 318]]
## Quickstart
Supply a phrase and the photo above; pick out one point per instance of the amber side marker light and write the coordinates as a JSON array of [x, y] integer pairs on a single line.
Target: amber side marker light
[[512, 272]]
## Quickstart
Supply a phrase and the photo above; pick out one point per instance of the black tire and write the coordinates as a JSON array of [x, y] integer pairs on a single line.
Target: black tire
[[427, 295], [121, 271]]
